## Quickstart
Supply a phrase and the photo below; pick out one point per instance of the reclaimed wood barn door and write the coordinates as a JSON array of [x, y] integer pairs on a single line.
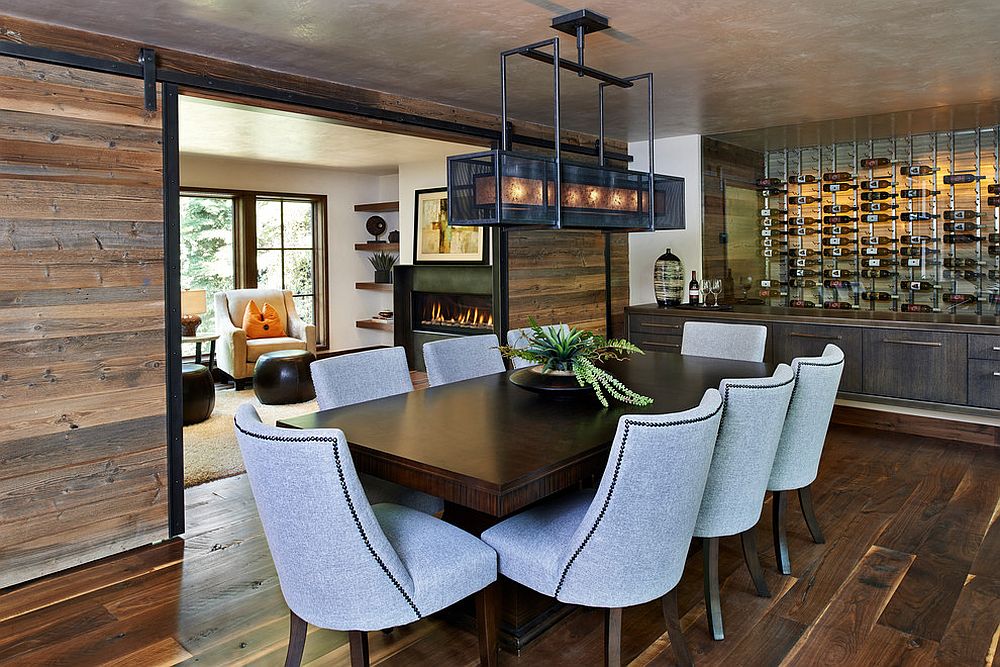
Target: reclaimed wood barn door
[[82, 357]]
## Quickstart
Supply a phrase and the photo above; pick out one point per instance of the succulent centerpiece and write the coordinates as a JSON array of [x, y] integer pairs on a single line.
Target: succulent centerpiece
[[564, 351]]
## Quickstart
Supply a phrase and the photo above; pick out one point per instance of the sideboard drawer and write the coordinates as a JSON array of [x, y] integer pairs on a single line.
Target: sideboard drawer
[[984, 383], [919, 365], [984, 347], [807, 340], [654, 343], [654, 324]]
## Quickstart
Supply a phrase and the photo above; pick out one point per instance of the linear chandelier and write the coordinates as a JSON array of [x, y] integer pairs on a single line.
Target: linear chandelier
[[506, 188]]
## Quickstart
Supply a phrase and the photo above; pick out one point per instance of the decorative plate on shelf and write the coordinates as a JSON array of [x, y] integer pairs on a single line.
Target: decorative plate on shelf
[[376, 226]]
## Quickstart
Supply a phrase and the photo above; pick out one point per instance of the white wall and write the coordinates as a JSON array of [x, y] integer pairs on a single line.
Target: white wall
[[345, 227], [416, 176], [676, 156]]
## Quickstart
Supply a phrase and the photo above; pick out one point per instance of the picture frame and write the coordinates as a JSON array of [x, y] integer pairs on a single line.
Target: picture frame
[[435, 242]]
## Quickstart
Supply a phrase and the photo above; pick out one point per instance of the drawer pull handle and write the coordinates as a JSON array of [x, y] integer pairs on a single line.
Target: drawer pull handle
[[652, 344], [996, 374], [996, 348], [820, 336], [921, 343], [654, 325]]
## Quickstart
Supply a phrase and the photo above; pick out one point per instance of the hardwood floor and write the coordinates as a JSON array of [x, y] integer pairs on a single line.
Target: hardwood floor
[[909, 574]]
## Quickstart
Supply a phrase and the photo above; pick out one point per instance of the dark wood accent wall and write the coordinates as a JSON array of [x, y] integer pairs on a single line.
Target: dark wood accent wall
[[559, 276], [82, 357], [722, 163]]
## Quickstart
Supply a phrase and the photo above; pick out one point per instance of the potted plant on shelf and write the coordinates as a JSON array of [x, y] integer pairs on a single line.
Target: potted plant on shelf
[[383, 263], [568, 358]]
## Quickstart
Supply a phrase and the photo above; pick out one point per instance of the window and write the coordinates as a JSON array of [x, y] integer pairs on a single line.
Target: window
[[246, 239]]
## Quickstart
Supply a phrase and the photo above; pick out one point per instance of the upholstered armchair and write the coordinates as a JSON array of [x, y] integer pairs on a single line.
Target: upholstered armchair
[[236, 354]]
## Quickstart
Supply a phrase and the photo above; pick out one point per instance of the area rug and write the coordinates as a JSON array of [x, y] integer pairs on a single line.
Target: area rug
[[210, 449]]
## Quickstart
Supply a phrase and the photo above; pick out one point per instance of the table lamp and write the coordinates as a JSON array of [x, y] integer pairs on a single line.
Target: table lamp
[[193, 304]]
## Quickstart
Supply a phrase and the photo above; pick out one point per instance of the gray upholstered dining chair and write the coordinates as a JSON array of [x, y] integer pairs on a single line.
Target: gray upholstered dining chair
[[518, 339], [738, 342], [366, 376], [752, 418], [796, 462], [344, 564], [625, 543], [462, 358]]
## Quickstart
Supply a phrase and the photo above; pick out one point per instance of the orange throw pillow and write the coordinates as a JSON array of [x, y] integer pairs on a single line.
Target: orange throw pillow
[[265, 324]]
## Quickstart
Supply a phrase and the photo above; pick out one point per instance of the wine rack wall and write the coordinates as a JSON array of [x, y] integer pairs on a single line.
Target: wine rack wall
[[905, 224]]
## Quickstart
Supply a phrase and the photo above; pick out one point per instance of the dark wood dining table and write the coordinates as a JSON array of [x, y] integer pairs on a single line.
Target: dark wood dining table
[[490, 448]]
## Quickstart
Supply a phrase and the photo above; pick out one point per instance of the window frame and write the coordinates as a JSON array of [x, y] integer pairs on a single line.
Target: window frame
[[245, 244]]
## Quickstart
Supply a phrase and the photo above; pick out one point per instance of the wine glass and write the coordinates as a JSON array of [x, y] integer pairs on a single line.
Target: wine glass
[[716, 289], [745, 285], [705, 289]]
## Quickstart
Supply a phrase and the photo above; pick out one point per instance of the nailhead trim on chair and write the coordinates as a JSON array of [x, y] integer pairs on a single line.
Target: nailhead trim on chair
[[751, 386], [614, 480], [350, 504], [798, 369]]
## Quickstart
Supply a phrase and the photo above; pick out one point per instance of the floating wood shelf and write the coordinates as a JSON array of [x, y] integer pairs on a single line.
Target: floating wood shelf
[[379, 287], [374, 324], [378, 207], [375, 247]]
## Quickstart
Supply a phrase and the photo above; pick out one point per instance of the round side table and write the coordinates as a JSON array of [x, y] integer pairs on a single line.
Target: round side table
[[284, 377], [198, 393]]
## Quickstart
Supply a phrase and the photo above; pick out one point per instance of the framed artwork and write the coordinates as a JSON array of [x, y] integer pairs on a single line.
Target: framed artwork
[[437, 242]]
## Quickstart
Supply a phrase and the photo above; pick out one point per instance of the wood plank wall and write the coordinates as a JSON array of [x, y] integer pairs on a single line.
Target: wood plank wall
[[82, 358], [558, 276]]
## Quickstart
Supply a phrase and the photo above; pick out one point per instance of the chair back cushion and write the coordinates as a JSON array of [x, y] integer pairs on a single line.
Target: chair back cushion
[[739, 342], [266, 323], [239, 299], [633, 541], [462, 358], [363, 376], [518, 339], [752, 419], [335, 565], [817, 380]]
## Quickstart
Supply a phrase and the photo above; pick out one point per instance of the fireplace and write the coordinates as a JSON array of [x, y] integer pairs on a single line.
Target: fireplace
[[436, 302]]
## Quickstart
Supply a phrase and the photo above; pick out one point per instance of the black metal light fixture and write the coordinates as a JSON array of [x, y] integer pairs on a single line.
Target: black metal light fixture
[[507, 188]]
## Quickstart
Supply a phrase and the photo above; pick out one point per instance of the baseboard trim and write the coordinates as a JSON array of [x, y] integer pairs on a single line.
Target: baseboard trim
[[926, 423]]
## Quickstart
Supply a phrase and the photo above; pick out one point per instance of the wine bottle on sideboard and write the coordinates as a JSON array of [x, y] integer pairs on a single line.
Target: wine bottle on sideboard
[[832, 176], [694, 289], [918, 193], [916, 170], [875, 162], [957, 179]]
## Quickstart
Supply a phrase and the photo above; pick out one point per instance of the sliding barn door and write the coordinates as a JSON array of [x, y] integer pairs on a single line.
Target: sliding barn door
[[82, 357]]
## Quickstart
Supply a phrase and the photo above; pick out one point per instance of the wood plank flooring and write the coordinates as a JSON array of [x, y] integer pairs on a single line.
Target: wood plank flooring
[[909, 575]]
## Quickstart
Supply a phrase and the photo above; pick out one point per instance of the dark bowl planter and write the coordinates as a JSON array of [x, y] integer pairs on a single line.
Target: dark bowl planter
[[383, 277], [557, 384]]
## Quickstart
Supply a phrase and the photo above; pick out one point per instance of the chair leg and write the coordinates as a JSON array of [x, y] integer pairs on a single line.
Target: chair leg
[[779, 501], [487, 611], [613, 637], [713, 605], [359, 648], [296, 640], [748, 539], [806, 501], [677, 639]]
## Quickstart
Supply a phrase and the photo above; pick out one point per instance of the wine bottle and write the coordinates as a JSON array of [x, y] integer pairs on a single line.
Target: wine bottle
[[962, 238], [993, 238], [961, 214], [971, 276], [804, 231], [837, 284], [802, 262], [917, 193], [876, 217], [876, 262], [916, 170], [800, 221], [993, 201], [917, 262], [916, 216], [773, 242], [728, 285], [838, 176], [771, 222], [837, 305], [801, 303], [838, 251], [802, 273], [875, 207], [838, 187], [801, 252], [876, 184], [772, 212], [768, 232], [837, 240], [961, 226], [769, 252], [960, 262], [769, 182], [838, 219], [769, 282], [994, 274], [838, 273], [956, 179], [993, 189], [958, 298], [802, 284], [916, 308], [839, 208], [801, 200], [878, 273], [769, 293], [876, 251], [837, 230], [877, 240], [916, 285], [916, 240], [876, 196], [801, 179], [875, 162], [876, 296], [917, 251], [772, 192], [693, 289], [994, 250]]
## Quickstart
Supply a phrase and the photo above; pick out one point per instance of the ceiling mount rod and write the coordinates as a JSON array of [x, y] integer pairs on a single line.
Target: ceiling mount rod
[[580, 23]]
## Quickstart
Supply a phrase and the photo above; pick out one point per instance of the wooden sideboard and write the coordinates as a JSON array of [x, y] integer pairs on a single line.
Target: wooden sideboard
[[938, 359]]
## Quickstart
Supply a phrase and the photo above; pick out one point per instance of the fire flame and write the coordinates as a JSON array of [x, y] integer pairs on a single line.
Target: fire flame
[[459, 316]]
